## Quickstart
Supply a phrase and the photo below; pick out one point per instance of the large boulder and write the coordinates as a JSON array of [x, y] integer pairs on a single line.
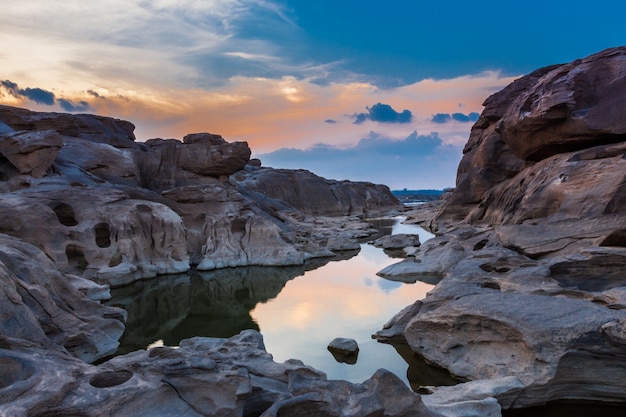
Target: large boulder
[[571, 107], [166, 164], [554, 110], [32, 153]]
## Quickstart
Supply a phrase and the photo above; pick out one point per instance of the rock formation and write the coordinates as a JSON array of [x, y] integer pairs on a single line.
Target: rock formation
[[115, 210], [530, 306], [84, 207]]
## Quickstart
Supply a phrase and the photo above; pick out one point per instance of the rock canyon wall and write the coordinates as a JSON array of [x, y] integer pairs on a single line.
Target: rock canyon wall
[[531, 250]]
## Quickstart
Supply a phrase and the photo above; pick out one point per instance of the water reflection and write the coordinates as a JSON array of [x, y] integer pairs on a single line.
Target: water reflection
[[215, 304], [297, 317]]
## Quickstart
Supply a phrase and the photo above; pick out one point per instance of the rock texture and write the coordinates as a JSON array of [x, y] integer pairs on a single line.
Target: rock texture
[[531, 248], [204, 377]]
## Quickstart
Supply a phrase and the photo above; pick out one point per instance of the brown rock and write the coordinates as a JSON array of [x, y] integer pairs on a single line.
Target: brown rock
[[315, 195], [32, 153], [571, 107], [169, 163]]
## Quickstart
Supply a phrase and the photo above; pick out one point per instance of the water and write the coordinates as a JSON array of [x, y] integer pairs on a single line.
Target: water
[[299, 310]]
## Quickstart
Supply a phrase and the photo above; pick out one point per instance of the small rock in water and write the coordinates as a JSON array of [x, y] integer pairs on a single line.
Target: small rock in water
[[344, 350]]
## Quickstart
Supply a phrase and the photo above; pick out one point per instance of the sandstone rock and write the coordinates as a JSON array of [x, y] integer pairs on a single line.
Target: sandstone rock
[[315, 195], [167, 164], [398, 241], [344, 350], [31, 153], [118, 133], [571, 107], [98, 232], [230, 377], [41, 308]]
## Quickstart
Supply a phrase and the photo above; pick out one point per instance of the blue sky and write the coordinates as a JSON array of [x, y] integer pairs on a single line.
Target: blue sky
[[365, 90]]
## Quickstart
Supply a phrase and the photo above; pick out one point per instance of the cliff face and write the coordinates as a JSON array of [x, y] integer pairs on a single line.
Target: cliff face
[[114, 210], [532, 244]]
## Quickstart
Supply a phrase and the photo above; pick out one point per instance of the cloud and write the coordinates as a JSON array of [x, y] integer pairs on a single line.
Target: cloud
[[330, 121], [417, 161], [457, 117], [383, 113], [38, 95], [69, 106]]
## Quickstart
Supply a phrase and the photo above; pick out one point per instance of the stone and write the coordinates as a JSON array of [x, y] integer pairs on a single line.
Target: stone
[[571, 107], [118, 133], [204, 376], [41, 308], [397, 241], [315, 195], [166, 164], [344, 350], [31, 153], [529, 307]]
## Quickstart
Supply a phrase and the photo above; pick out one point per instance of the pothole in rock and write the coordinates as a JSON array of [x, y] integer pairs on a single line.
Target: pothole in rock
[[108, 379], [13, 370], [65, 214]]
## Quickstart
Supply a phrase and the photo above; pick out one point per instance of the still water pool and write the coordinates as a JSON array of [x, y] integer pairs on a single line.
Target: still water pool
[[299, 310]]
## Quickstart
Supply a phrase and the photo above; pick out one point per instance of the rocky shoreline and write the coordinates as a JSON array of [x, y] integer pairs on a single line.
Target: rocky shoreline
[[529, 254]]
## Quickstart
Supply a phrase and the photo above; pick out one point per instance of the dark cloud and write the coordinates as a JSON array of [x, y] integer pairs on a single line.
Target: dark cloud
[[458, 117], [383, 113], [418, 161], [95, 94], [41, 96], [441, 118], [37, 95], [330, 121], [72, 107]]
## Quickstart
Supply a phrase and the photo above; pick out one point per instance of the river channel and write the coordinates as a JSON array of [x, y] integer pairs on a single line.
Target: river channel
[[298, 310]]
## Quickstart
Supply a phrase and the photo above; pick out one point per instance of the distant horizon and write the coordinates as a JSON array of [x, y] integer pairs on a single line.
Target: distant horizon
[[349, 90]]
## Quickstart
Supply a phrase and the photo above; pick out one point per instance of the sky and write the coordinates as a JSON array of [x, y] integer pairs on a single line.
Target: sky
[[380, 91]]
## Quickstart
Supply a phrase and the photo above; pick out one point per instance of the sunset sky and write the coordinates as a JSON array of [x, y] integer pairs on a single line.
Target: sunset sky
[[364, 90]]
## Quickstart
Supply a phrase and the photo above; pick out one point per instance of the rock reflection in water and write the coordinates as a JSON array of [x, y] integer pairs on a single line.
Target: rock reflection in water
[[342, 299], [213, 304]]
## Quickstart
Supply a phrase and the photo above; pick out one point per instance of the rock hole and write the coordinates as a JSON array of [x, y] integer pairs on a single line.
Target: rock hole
[[4, 177], [65, 214], [617, 238], [109, 379], [76, 257], [481, 244], [103, 235], [142, 208], [494, 268], [13, 370], [238, 226], [490, 285]]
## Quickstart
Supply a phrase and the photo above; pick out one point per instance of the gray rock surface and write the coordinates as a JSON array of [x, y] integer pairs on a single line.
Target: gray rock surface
[[530, 247]]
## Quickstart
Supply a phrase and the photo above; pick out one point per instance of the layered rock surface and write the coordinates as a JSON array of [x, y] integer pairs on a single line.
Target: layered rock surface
[[531, 247]]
